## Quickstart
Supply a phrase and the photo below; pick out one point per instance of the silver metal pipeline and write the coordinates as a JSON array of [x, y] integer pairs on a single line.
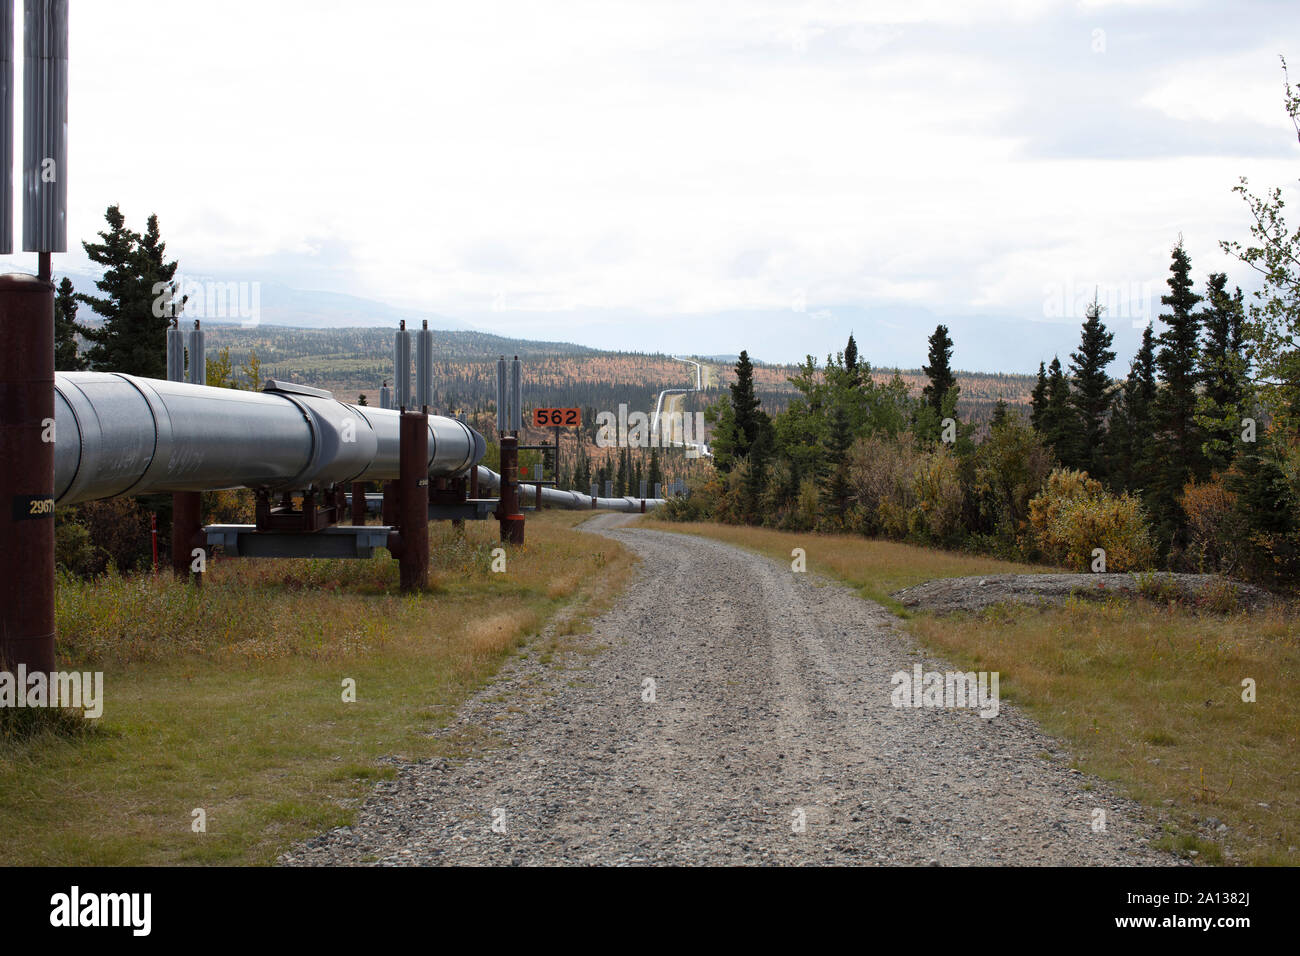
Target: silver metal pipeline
[[118, 434], [572, 500]]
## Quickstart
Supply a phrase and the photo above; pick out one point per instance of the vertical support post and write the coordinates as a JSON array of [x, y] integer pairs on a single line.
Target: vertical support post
[[413, 497], [512, 522], [473, 481], [27, 474], [388, 509], [187, 529], [358, 502]]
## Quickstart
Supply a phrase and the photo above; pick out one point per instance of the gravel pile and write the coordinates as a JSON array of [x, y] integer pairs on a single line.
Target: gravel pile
[[771, 739], [974, 593]]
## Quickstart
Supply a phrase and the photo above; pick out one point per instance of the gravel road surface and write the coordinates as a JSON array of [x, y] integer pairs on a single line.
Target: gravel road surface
[[771, 738]]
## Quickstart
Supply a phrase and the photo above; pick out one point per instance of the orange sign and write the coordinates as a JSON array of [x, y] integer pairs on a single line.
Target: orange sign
[[553, 417]]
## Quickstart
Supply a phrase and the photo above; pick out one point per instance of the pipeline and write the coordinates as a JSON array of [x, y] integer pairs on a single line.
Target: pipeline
[[118, 434], [572, 500]]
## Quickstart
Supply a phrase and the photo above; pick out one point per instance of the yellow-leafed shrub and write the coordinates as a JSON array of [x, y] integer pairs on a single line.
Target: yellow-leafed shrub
[[1073, 515]]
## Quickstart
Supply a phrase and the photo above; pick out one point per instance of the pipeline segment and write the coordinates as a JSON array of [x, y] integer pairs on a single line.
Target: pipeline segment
[[572, 500], [118, 434]]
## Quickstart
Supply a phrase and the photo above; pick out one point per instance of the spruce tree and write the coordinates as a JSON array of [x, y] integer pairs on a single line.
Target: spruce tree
[[1129, 442], [1059, 425], [1223, 372], [744, 406], [1092, 393], [1178, 440], [655, 473], [66, 358], [939, 369], [1000, 412], [1038, 398], [138, 298], [851, 361], [835, 483], [620, 477]]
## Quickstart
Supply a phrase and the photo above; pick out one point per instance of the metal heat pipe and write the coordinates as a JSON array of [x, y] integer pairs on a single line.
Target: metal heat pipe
[[118, 434], [572, 500]]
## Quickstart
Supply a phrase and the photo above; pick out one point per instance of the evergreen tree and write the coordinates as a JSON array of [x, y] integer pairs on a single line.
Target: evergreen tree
[[1177, 437], [1224, 373], [1000, 412], [1092, 393], [939, 369], [851, 361], [361, 400], [66, 358], [835, 483], [1059, 425], [744, 406], [620, 477], [1129, 438], [1038, 398], [723, 434], [138, 299], [655, 472]]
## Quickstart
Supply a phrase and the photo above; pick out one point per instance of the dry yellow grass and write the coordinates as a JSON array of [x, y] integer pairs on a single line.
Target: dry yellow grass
[[1151, 697], [229, 698], [875, 568]]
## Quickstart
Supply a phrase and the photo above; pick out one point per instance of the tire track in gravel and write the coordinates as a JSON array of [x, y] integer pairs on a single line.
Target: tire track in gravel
[[772, 699]]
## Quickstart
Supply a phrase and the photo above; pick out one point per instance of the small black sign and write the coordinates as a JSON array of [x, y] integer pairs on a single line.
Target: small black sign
[[33, 506]]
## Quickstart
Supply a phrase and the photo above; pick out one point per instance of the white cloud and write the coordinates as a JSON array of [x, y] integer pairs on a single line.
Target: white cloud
[[657, 156]]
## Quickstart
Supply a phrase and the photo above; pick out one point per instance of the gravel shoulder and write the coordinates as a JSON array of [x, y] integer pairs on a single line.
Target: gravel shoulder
[[771, 708]]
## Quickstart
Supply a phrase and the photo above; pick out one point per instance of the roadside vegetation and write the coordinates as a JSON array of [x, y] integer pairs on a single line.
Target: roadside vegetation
[[229, 698]]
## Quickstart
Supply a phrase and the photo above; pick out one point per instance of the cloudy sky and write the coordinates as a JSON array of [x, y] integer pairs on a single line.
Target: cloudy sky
[[701, 176]]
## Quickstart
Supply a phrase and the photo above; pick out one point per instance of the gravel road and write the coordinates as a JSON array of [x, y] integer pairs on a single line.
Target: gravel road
[[771, 738]]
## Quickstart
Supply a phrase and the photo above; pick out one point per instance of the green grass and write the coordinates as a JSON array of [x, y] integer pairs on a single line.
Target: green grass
[[229, 699]]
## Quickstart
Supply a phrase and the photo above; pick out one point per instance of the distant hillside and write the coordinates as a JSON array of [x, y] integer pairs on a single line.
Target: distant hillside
[[356, 361]]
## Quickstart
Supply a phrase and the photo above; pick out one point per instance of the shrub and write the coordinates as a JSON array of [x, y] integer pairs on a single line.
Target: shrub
[[881, 478], [1073, 515], [1217, 532], [937, 514]]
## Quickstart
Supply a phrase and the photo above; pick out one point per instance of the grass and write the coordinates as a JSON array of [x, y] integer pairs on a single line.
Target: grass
[[229, 699], [1150, 696], [875, 568], [1147, 694]]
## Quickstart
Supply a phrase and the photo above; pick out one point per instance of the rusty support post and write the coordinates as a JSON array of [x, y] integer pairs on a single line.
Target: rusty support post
[[27, 474], [187, 532], [388, 509], [512, 522], [358, 502], [413, 497]]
